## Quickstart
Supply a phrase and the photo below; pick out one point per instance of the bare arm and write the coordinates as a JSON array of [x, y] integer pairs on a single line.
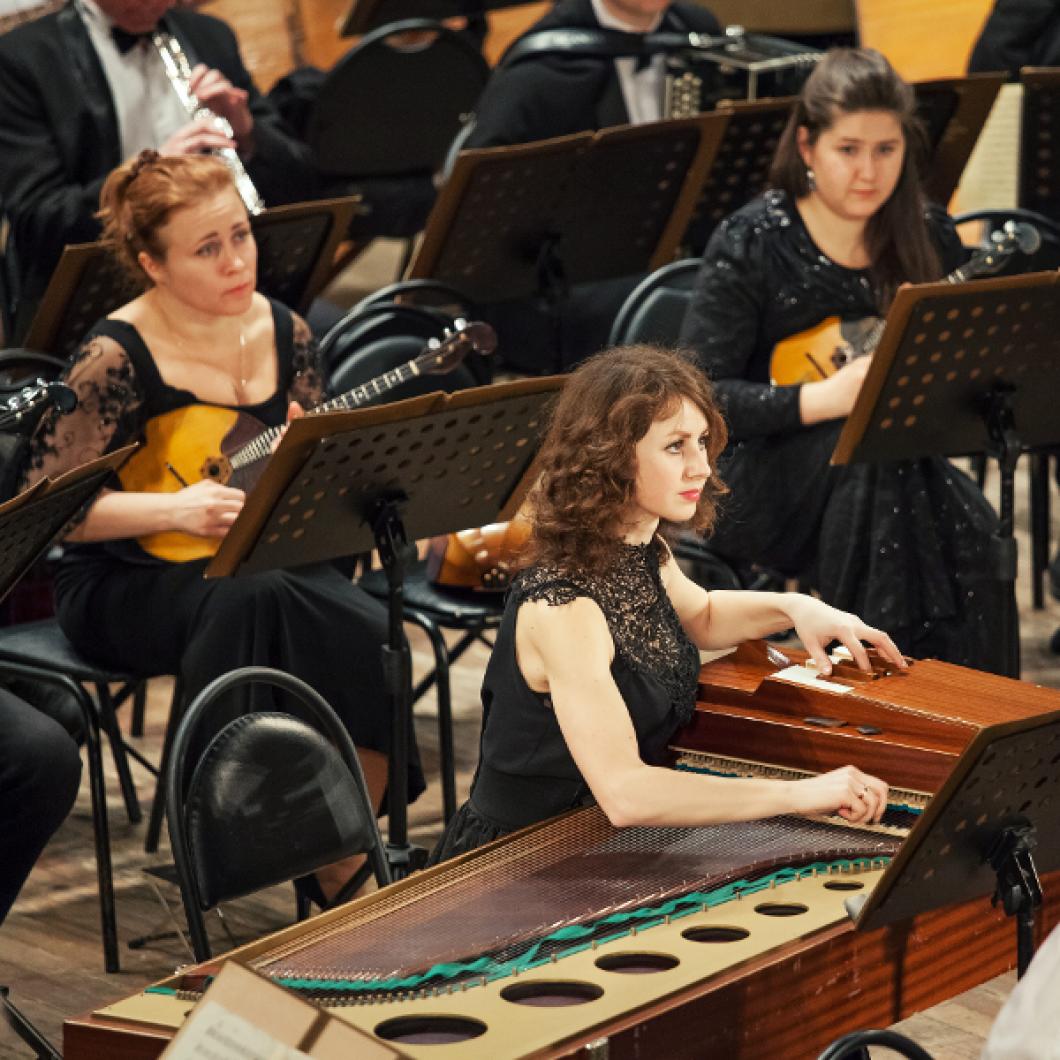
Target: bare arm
[[573, 646], [723, 618]]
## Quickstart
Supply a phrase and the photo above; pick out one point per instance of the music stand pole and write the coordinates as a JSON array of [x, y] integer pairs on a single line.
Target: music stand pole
[[396, 554], [343, 483]]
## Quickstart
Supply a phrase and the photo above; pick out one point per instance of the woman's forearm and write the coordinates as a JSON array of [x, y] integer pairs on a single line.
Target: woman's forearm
[[116, 515], [735, 615]]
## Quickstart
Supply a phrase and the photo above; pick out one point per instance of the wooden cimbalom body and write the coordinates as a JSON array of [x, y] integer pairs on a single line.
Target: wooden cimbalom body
[[762, 939]]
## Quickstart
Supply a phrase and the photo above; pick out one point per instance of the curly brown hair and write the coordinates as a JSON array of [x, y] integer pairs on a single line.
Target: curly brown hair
[[140, 196], [588, 464]]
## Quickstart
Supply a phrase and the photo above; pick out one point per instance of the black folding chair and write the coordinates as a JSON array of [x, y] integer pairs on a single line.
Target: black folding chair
[[271, 798]]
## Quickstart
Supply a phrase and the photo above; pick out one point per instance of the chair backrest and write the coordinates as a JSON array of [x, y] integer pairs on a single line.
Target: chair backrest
[[655, 308], [390, 107], [377, 336], [272, 797]]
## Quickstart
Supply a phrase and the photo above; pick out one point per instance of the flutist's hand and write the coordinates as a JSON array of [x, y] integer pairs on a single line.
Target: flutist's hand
[[195, 138], [214, 90]]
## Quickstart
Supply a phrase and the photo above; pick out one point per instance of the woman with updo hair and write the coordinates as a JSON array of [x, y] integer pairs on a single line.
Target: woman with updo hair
[[596, 662], [200, 334], [907, 544]]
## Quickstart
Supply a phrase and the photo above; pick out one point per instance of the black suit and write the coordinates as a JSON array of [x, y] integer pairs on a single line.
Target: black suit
[[59, 134], [536, 99], [1018, 33]]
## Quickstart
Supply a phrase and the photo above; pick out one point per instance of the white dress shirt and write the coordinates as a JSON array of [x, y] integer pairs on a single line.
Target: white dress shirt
[[148, 108], [642, 90]]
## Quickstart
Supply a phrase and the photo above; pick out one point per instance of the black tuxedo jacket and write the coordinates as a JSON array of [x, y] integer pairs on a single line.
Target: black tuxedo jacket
[[1018, 33], [59, 134], [554, 95]]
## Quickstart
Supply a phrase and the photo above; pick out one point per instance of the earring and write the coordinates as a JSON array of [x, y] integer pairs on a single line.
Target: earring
[[811, 180]]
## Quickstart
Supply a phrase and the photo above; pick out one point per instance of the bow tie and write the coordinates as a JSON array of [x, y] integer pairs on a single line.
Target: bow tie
[[642, 61], [126, 40]]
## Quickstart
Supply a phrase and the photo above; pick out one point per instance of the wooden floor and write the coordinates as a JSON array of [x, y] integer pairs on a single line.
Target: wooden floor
[[50, 953]]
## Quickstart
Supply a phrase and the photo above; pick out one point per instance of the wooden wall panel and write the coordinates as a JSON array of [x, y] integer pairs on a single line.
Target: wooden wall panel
[[264, 31], [924, 39]]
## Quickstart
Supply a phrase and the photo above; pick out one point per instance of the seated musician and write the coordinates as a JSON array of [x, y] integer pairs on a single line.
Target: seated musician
[[556, 95], [906, 544], [84, 87], [597, 657], [40, 770], [200, 334]]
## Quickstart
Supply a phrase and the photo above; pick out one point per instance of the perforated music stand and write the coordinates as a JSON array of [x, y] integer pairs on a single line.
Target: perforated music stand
[[740, 168], [977, 834], [296, 246], [953, 110], [29, 523], [971, 368], [345, 483], [535, 219], [1039, 173]]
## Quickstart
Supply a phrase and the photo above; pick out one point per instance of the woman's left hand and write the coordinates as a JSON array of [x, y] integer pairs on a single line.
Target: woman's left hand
[[294, 412], [817, 624]]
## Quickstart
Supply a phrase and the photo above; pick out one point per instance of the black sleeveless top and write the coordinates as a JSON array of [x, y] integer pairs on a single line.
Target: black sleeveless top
[[526, 773], [120, 389]]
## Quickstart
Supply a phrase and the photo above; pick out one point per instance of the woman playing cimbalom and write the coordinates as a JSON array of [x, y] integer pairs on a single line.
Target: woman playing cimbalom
[[200, 334], [597, 658], [905, 544]]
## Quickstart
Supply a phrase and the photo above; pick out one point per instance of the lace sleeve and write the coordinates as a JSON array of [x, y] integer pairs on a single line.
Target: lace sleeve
[[109, 402], [307, 376]]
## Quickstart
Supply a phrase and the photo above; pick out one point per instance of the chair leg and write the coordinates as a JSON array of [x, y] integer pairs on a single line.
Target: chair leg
[[42, 1048], [158, 805], [136, 721], [109, 721], [445, 709], [1039, 499]]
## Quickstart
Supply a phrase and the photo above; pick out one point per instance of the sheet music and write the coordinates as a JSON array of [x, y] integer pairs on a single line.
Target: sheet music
[[217, 1034], [991, 178]]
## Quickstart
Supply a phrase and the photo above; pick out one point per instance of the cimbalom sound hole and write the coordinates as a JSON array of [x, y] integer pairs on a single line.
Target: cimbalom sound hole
[[715, 934], [430, 1030], [637, 963], [551, 993]]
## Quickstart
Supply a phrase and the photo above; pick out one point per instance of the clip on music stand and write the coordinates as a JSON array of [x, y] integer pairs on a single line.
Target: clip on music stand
[[345, 483], [977, 835], [571, 210], [28, 524], [964, 369], [296, 247]]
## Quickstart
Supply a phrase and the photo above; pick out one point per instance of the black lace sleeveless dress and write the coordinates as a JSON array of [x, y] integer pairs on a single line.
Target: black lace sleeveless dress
[[525, 772], [129, 610], [906, 544]]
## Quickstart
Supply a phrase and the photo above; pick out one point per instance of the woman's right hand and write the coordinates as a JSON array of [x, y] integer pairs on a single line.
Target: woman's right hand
[[206, 509], [856, 796], [834, 397]]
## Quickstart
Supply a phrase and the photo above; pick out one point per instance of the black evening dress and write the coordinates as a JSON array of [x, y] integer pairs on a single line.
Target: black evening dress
[[906, 544], [129, 610], [525, 772]]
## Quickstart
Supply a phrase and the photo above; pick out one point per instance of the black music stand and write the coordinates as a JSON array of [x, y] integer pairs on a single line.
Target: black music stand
[[953, 110], [740, 167], [29, 523], [296, 247], [977, 835], [971, 368], [1039, 173], [535, 219], [345, 483]]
